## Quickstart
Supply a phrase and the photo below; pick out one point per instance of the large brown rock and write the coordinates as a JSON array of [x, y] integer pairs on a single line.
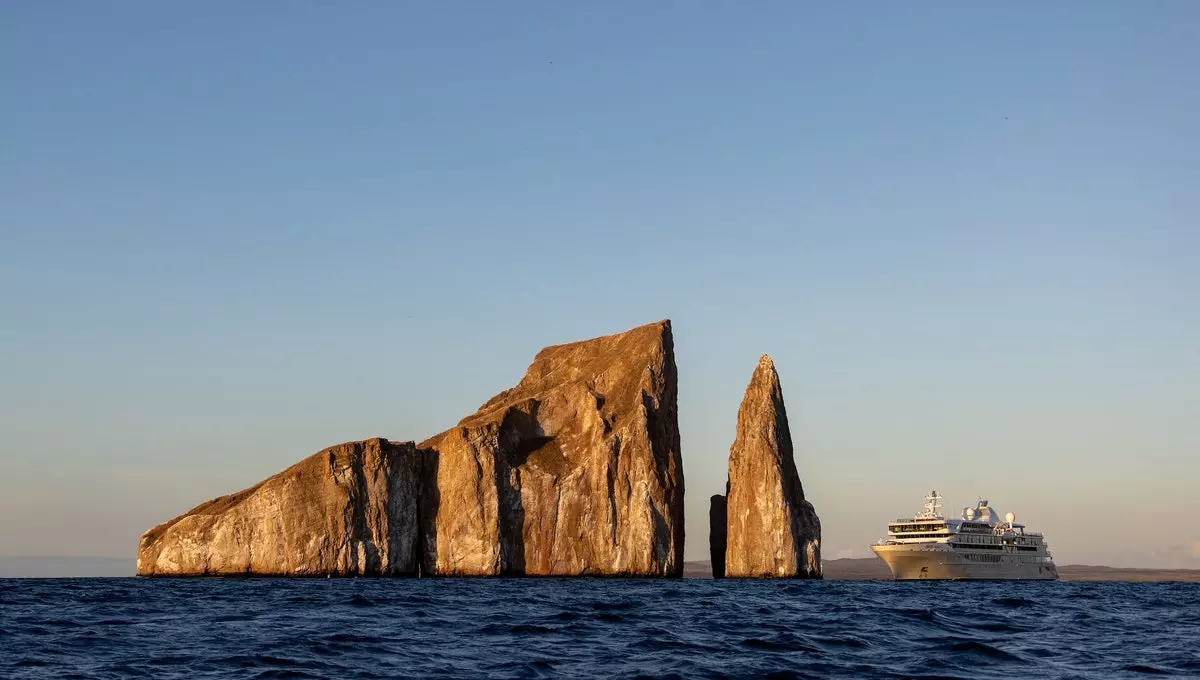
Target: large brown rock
[[351, 509], [574, 471], [772, 530]]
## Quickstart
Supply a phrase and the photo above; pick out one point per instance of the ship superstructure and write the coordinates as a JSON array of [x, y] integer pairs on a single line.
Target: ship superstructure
[[981, 545]]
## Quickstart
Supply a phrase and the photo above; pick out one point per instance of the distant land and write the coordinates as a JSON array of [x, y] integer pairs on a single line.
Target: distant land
[[866, 568], [66, 567], [870, 568]]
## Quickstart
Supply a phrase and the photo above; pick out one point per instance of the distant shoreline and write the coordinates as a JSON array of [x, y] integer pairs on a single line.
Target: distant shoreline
[[855, 569], [870, 568], [39, 566]]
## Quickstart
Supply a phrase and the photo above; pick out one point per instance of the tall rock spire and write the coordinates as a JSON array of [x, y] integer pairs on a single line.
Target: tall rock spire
[[772, 532]]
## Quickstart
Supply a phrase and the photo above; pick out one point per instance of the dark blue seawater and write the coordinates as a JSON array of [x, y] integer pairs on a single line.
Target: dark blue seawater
[[344, 628]]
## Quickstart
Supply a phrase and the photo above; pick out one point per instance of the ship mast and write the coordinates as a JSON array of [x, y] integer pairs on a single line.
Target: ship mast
[[933, 503]]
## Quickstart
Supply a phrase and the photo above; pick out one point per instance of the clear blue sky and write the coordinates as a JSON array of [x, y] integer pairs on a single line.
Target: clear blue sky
[[968, 233]]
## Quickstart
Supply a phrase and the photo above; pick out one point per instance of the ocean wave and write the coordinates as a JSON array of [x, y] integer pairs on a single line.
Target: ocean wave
[[587, 627]]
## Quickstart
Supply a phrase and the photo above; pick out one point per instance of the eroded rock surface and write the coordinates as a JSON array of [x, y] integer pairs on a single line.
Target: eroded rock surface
[[772, 530], [574, 471], [351, 509]]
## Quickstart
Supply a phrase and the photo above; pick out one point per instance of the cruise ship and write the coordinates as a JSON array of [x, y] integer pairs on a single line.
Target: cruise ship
[[981, 545]]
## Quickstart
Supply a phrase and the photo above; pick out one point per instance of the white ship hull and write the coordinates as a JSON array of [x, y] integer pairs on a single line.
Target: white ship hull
[[939, 561]]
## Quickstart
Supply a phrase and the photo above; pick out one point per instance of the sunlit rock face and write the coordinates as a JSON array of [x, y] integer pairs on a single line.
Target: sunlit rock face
[[351, 509], [574, 471], [772, 531]]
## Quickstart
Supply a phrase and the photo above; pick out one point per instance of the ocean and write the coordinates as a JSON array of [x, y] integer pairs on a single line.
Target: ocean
[[387, 628]]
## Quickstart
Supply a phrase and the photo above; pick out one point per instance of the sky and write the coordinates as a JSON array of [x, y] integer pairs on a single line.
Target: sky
[[233, 234]]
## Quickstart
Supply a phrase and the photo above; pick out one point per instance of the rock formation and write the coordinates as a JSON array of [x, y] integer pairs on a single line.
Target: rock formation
[[718, 519], [348, 510], [771, 530], [574, 471]]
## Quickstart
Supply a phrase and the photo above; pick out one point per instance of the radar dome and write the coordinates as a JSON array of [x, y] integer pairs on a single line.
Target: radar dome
[[1010, 518], [969, 513]]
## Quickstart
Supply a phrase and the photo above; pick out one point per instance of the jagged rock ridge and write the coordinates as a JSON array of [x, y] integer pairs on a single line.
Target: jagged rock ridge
[[772, 531]]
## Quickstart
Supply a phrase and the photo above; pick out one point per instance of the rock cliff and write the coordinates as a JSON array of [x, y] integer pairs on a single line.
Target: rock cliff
[[351, 509], [574, 471], [771, 530]]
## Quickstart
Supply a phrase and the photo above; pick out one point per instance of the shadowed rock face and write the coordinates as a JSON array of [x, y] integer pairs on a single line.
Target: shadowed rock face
[[574, 471], [718, 519], [772, 530], [348, 510]]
